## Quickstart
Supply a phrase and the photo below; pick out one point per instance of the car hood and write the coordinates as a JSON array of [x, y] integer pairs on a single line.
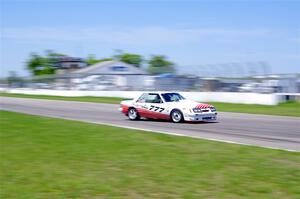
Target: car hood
[[191, 104]]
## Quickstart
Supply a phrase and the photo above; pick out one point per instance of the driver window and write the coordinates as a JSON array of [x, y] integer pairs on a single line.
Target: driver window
[[153, 98], [174, 98], [142, 99]]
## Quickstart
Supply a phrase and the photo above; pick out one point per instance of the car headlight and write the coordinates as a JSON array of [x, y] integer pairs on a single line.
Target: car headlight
[[197, 110], [213, 109]]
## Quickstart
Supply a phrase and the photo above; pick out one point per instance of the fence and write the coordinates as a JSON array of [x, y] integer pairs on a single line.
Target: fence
[[98, 82], [229, 97]]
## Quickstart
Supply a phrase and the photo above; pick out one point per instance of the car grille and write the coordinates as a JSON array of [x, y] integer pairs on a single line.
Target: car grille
[[197, 110], [207, 118]]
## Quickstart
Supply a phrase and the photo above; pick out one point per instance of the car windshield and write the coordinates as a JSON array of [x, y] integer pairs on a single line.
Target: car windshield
[[172, 97]]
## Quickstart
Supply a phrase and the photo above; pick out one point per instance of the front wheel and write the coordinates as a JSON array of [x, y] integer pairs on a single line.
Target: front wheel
[[133, 114], [176, 116]]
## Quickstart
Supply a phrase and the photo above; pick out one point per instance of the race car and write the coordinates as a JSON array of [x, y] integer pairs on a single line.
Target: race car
[[167, 106]]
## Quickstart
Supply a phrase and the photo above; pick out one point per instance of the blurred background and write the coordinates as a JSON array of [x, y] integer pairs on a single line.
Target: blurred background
[[198, 46], [67, 67]]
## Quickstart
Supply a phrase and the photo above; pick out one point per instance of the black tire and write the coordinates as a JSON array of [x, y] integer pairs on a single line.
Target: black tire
[[176, 116], [133, 114]]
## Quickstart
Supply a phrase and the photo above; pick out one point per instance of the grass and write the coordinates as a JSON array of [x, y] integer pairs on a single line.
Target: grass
[[284, 109], [53, 158], [110, 100]]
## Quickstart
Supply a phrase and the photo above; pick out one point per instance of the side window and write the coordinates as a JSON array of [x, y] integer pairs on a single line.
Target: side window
[[153, 98], [142, 98]]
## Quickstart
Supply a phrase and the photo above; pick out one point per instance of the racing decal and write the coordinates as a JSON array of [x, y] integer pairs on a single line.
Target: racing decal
[[151, 114], [124, 108], [144, 106], [156, 108], [204, 106]]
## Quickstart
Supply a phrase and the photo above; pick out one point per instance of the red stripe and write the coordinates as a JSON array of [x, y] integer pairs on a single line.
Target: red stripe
[[151, 114], [201, 106], [146, 113], [124, 108]]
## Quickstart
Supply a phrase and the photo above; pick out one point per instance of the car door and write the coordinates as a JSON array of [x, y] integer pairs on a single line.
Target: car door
[[155, 107], [140, 104]]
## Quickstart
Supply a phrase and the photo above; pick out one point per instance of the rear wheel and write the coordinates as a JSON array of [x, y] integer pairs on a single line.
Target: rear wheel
[[133, 114], [176, 116]]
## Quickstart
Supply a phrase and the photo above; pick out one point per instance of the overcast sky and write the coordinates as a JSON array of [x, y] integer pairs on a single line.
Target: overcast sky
[[190, 33]]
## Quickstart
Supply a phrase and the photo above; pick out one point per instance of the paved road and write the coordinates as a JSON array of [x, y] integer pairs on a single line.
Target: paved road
[[259, 130]]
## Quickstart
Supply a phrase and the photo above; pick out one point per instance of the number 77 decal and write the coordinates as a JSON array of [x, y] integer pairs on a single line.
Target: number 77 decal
[[151, 107], [161, 110], [156, 108]]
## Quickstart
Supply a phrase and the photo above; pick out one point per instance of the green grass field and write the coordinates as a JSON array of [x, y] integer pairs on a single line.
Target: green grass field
[[110, 100], [284, 109], [53, 158]]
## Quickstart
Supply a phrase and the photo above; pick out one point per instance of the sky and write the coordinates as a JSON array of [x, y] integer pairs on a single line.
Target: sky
[[190, 33]]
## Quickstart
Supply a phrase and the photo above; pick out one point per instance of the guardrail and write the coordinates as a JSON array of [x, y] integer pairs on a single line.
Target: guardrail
[[229, 97]]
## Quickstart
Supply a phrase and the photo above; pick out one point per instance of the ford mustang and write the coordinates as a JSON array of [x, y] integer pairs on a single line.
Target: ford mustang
[[167, 106]]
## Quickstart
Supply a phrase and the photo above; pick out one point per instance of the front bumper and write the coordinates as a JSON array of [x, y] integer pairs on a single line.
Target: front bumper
[[201, 117]]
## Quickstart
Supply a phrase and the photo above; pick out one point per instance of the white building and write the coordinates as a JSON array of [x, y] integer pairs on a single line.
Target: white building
[[109, 75]]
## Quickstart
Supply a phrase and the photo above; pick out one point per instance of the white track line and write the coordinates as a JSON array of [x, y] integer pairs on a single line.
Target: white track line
[[176, 134], [157, 131]]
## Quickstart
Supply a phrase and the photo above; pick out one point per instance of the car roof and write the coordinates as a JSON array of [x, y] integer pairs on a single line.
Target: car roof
[[159, 92]]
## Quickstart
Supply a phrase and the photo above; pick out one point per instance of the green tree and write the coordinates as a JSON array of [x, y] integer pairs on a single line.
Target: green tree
[[13, 79], [129, 58], [91, 59], [133, 59], [159, 64], [36, 64], [43, 65], [52, 58]]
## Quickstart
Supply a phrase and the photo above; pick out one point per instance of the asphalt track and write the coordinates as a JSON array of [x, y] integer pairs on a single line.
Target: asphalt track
[[249, 129]]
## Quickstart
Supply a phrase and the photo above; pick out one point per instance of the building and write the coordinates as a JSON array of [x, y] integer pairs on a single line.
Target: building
[[67, 64], [109, 75]]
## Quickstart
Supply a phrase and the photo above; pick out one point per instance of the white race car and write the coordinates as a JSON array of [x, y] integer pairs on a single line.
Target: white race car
[[167, 106]]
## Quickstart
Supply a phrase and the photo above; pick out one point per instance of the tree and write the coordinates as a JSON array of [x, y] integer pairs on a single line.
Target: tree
[[133, 59], [91, 59], [13, 79], [53, 58], [159, 64], [36, 64], [129, 58], [44, 65]]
